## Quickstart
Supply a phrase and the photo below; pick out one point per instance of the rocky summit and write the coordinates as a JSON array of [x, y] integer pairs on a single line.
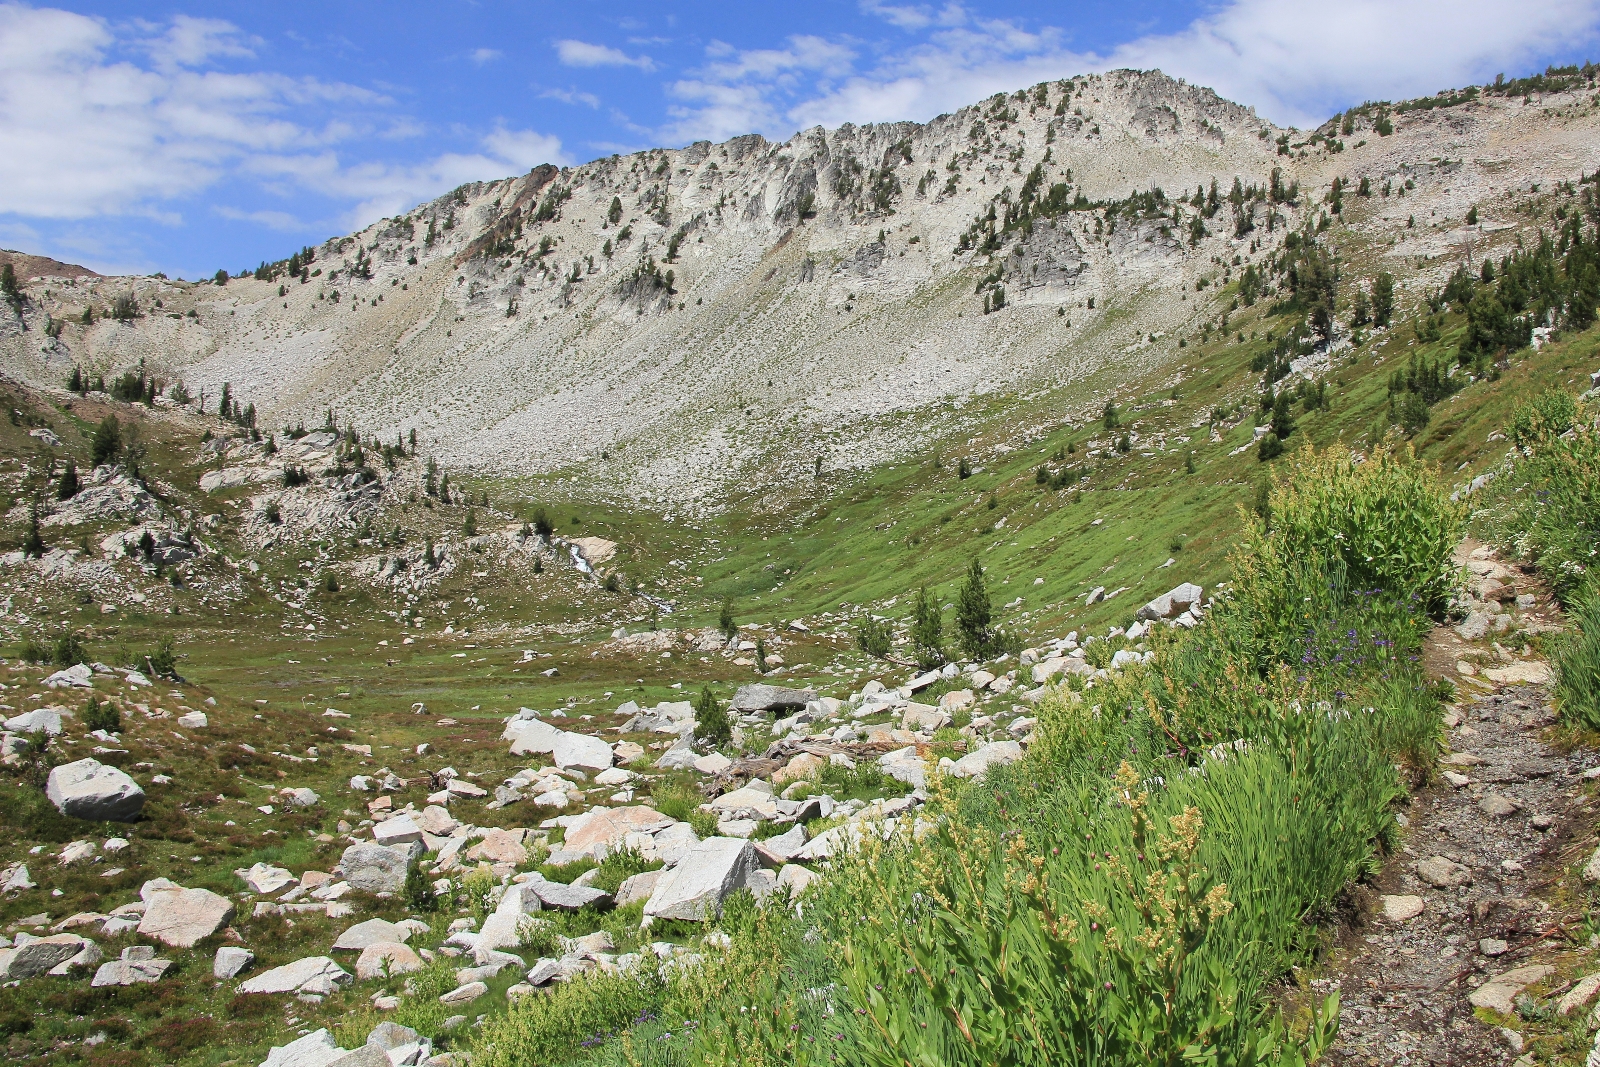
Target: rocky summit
[[1093, 557]]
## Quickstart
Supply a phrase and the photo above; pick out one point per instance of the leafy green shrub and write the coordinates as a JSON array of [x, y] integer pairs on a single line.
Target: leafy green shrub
[[164, 660], [418, 892], [1544, 507], [712, 718], [621, 865], [1577, 663], [572, 1016], [98, 716], [1548, 415], [33, 650], [69, 650], [872, 636]]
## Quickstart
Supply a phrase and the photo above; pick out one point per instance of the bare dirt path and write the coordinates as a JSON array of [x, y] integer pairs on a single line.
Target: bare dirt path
[[1483, 886]]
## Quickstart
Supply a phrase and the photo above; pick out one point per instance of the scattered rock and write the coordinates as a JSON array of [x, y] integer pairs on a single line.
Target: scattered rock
[[88, 789], [370, 932], [312, 971], [1579, 996], [38, 955], [1442, 873], [1500, 992], [265, 879], [762, 698], [581, 751], [374, 868], [1397, 909], [702, 880], [464, 994], [1497, 805], [138, 964], [974, 764], [183, 917], [383, 959], [230, 961]]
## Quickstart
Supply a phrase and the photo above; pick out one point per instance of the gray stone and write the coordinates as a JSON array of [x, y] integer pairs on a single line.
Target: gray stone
[[316, 1049], [782, 848], [230, 961], [292, 976], [1442, 873], [374, 868], [1497, 805], [362, 934], [763, 698], [397, 830], [77, 676], [37, 721], [138, 964], [531, 736], [88, 789], [391, 1035], [565, 897], [1397, 909], [365, 1056], [637, 887], [464, 994], [182, 917], [581, 751], [1500, 992], [38, 955], [974, 764], [702, 880]]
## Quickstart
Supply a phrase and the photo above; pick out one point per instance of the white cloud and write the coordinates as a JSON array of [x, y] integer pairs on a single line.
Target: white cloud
[[83, 134], [272, 220], [385, 189], [482, 56], [1294, 62], [571, 96], [583, 54]]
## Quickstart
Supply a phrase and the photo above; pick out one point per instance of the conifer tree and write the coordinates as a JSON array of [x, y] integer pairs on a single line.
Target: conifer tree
[[67, 487], [711, 719], [470, 527], [725, 621], [927, 631], [107, 440], [33, 541], [974, 615]]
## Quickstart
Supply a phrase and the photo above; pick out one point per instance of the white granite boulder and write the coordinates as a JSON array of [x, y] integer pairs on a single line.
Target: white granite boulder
[[88, 789]]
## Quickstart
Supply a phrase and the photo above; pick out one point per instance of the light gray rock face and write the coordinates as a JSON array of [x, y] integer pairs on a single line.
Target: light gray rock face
[[38, 955], [230, 961], [397, 830], [581, 751], [77, 676], [88, 789], [564, 897], [531, 736], [1172, 603], [316, 1049], [760, 697], [386, 958], [137, 965], [638, 887], [37, 721], [702, 880], [503, 928], [370, 932], [974, 764], [1443, 873], [296, 975], [182, 917], [374, 868]]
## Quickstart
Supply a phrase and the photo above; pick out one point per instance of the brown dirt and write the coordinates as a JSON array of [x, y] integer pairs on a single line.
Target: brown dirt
[[1404, 985]]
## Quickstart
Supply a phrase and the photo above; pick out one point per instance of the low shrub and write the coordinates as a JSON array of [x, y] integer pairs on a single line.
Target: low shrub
[[1577, 667]]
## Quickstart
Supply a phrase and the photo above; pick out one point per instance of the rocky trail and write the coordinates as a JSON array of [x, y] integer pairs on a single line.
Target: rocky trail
[[1470, 914]]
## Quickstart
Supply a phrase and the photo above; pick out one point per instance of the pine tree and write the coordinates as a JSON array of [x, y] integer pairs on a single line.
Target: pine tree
[[927, 631], [725, 621], [107, 440], [469, 528], [711, 720], [428, 557], [33, 540], [761, 655], [1382, 299], [67, 488], [974, 615], [75, 382]]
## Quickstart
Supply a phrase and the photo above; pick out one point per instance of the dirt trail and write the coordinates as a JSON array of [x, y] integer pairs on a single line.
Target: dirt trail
[[1484, 848]]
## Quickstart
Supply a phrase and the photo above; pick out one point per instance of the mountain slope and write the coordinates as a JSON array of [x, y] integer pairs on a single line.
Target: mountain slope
[[822, 303]]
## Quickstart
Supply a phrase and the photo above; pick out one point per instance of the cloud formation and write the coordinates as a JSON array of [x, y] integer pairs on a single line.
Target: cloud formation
[[583, 54], [1295, 63], [96, 122]]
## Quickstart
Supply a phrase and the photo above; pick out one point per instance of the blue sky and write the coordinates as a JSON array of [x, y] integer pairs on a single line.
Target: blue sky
[[183, 137]]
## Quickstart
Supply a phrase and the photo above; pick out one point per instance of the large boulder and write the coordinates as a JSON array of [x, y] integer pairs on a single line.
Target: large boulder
[[973, 764], [183, 917], [383, 959], [763, 698], [371, 932], [137, 965], [531, 736], [1173, 603], [703, 878], [397, 830], [374, 868], [77, 676], [600, 832], [581, 751], [564, 897], [311, 971], [88, 789], [316, 1049], [37, 721], [38, 955]]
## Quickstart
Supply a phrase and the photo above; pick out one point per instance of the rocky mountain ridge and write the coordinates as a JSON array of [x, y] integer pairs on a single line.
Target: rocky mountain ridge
[[673, 324]]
